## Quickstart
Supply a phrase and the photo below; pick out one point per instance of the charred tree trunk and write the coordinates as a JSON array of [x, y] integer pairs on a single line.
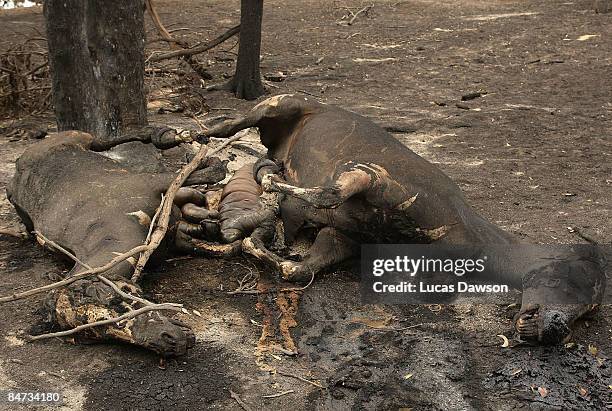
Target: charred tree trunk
[[96, 55], [246, 83]]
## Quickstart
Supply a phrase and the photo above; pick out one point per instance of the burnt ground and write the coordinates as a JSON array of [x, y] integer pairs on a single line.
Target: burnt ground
[[533, 155]]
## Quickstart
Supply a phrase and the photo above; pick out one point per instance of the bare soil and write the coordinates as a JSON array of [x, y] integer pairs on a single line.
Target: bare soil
[[533, 154]]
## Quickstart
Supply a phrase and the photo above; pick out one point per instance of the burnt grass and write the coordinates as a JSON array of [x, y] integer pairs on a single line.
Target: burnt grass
[[529, 144]]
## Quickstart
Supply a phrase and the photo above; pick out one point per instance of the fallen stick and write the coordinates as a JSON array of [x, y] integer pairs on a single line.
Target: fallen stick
[[35, 69], [363, 10], [280, 394], [126, 316], [122, 293], [42, 240], [284, 290], [248, 282], [241, 290], [236, 397], [199, 123], [197, 49], [166, 36], [162, 226], [286, 374], [385, 329], [157, 21], [7, 71], [154, 219]]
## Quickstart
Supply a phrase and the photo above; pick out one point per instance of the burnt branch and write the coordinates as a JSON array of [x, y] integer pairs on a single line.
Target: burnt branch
[[44, 240], [166, 36], [126, 316], [70, 280], [197, 49], [364, 10]]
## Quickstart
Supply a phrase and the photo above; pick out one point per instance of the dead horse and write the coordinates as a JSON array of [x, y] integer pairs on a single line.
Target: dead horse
[[357, 184], [98, 206]]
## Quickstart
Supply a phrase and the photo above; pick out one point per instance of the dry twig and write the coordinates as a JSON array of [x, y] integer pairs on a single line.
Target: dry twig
[[122, 293], [201, 48], [154, 219], [363, 10], [247, 283], [236, 397], [299, 288], [162, 227], [126, 316], [166, 36], [286, 374], [280, 394], [199, 123], [384, 329], [157, 21], [241, 290]]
